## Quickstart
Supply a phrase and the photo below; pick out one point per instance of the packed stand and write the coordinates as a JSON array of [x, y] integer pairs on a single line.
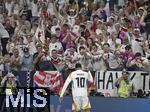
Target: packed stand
[[57, 34]]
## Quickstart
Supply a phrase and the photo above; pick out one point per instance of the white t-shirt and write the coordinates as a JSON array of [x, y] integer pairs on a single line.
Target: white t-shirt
[[9, 7], [79, 85], [76, 29], [34, 9], [3, 32], [61, 3], [110, 29], [71, 20], [20, 49], [98, 63], [112, 43], [53, 28], [32, 48], [136, 46], [16, 9], [10, 47], [121, 2], [85, 61], [113, 61], [22, 2], [29, 4], [50, 9], [56, 46], [122, 48], [71, 63], [1, 67]]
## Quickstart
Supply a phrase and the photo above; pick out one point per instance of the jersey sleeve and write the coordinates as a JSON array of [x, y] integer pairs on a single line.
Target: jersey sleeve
[[90, 78], [69, 79]]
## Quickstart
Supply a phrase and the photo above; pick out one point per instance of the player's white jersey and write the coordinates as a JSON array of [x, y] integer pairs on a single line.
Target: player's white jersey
[[79, 80]]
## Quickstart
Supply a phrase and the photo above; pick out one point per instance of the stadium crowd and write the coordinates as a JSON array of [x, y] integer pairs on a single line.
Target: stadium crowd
[[56, 34]]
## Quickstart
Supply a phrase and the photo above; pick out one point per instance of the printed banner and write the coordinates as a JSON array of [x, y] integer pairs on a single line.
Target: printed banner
[[105, 81]]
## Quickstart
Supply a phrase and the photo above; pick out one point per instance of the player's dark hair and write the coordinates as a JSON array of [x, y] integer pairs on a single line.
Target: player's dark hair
[[78, 65]]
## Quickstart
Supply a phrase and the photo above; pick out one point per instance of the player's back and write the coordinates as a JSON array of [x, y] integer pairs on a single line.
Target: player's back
[[79, 83]]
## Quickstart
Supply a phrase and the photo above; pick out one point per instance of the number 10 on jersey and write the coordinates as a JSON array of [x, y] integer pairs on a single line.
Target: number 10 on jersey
[[80, 82]]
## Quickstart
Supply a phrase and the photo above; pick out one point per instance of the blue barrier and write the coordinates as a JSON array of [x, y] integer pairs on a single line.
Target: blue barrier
[[100, 104]]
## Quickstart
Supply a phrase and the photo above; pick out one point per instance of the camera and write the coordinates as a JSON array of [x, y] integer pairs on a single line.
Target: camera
[[9, 81]]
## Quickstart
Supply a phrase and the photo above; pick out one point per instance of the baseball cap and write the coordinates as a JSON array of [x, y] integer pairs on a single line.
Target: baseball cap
[[26, 49], [125, 72], [10, 75], [71, 10], [137, 29]]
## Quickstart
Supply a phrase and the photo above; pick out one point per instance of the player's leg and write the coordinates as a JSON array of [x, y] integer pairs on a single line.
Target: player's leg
[[77, 111], [76, 105], [85, 104], [87, 110]]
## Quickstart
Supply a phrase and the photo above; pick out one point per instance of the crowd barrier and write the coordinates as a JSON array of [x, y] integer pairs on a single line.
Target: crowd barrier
[[103, 80]]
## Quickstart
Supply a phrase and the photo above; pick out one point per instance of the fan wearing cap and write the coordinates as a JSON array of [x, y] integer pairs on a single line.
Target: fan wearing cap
[[70, 11], [27, 60], [137, 41], [73, 13], [9, 84], [125, 86]]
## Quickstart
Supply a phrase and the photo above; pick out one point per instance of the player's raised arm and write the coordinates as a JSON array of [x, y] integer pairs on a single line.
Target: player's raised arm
[[69, 79]]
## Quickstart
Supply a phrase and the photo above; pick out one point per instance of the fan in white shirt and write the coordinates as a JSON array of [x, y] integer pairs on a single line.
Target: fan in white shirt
[[69, 17], [9, 6], [84, 58], [70, 57], [111, 60], [98, 63], [137, 42], [16, 8], [113, 41], [50, 8], [55, 45], [35, 8]]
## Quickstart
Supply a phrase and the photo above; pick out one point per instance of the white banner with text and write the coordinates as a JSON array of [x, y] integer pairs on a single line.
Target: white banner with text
[[105, 81]]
